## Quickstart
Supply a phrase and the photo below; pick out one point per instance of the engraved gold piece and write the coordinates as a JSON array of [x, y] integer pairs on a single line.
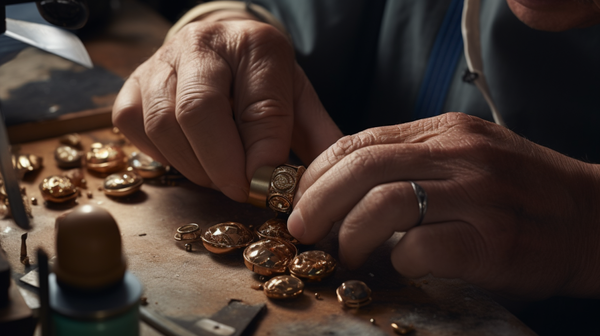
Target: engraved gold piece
[[145, 166], [58, 189], [67, 157], [284, 183], [122, 184], [283, 287], [276, 227], [26, 163], [226, 237], [105, 158], [269, 256], [354, 294], [312, 265], [275, 187], [188, 232]]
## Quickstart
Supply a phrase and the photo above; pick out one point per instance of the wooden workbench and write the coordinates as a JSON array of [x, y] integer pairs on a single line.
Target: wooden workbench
[[187, 285]]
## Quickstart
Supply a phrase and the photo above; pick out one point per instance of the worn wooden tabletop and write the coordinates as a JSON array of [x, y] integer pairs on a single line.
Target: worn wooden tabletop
[[187, 285]]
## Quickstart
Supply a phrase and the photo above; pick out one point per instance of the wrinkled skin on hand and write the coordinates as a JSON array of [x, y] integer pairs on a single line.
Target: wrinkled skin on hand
[[220, 100], [504, 213]]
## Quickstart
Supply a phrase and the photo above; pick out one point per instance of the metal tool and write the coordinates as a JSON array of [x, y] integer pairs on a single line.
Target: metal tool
[[11, 184], [71, 14], [231, 320], [45, 321], [50, 39], [66, 13]]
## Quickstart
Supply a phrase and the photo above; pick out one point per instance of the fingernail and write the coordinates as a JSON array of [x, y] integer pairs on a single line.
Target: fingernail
[[296, 224], [235, 193]]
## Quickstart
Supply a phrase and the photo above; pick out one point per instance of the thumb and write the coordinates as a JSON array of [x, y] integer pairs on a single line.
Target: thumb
[[314, 130]]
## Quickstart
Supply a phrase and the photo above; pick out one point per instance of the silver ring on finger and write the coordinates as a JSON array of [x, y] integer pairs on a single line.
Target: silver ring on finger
[[422, 199]]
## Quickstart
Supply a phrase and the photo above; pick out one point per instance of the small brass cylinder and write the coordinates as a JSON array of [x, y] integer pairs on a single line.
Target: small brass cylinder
[[259, 186]]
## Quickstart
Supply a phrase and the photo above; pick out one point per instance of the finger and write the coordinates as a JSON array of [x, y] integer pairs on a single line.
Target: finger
[[203, 112], [446, 250], [161, 126], [386, 209], [331, 197], [128, 116], [314, 130], [351, 143], [433, 130], [264, 96]]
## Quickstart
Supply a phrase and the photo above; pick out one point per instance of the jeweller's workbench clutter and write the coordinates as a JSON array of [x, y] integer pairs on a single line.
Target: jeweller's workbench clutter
[[149, 219], [100, 160]]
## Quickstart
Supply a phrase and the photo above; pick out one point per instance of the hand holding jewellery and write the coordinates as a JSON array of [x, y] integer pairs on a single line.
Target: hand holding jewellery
[[275, 187]]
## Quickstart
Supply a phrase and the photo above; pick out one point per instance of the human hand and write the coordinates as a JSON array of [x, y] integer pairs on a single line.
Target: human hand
[[221, 99], [503, 213]]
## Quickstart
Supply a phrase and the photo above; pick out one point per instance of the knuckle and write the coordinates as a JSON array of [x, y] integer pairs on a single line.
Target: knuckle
[[361, 162], [124, 114], [200, 34], [470, 125], [264, 110], [188, 109], [259, 33], [349, 144], [264, 42], [379, 196], [339, 149], [188, 105], [377, 200], [168, 54], [156, 121]]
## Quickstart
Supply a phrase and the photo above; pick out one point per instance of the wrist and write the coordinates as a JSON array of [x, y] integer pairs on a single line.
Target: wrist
[[224, 11]]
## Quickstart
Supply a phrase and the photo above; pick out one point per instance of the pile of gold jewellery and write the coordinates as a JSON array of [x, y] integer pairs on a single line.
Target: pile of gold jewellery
[[122, 176], [275, 254]]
